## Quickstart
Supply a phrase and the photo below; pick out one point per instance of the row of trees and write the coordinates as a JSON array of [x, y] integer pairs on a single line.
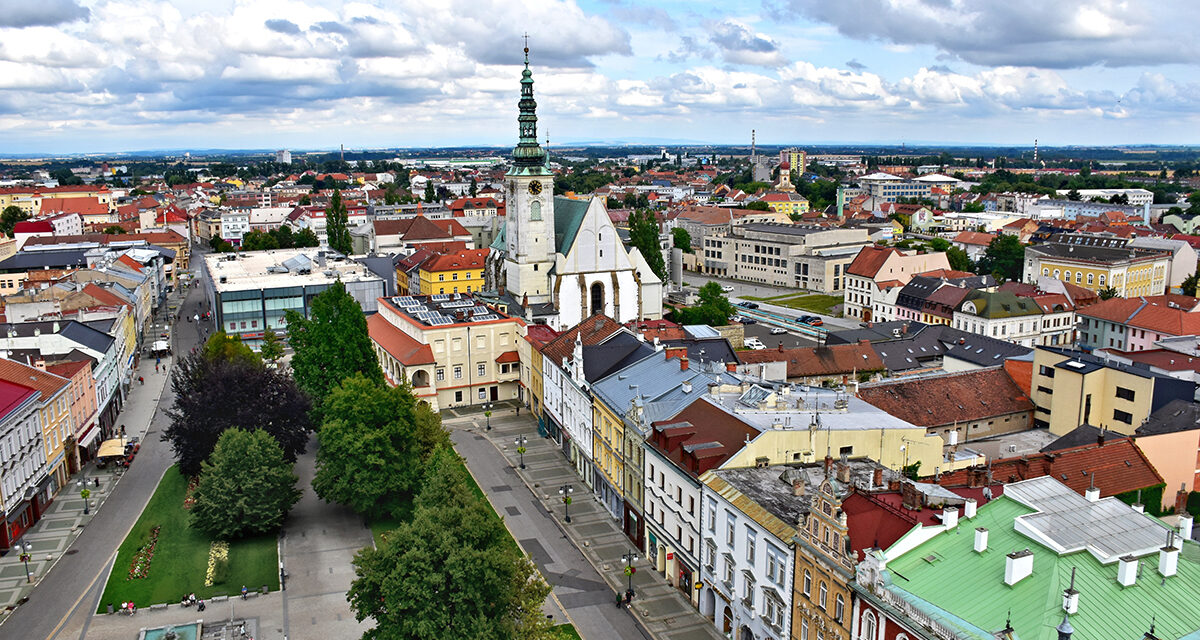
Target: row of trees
[[447, 570], [281, 238]]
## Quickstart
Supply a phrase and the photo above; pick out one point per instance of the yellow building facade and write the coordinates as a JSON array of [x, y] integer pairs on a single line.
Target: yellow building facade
[[1071, 388], [1143, 275], [608, 443], [460, 272]]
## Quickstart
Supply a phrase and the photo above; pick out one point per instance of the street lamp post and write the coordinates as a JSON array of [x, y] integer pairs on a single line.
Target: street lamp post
[[26, 556], [629, 571], [487, 413], [520, 442], [565, 491], [85, 494]]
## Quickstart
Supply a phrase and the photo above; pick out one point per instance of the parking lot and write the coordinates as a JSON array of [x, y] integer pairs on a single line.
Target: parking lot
[[763, 333]]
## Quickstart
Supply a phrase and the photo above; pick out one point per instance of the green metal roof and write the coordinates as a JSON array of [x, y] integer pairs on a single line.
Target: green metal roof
[[568, 215], [956, 585], [1002, 304], [501, 238]]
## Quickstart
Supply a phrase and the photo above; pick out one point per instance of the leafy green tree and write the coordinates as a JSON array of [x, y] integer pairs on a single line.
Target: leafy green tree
[[335, 224], [305, 201], [939, 244], [973, 207], [225, 385], [682, 239], [331, 346], [958, 259], [449, 572], [712, 308], [306, 238], [257, 240], [114, 229], [430, 194], [1107, 293], [643, 234], [272, 347], [1190, 283], [10, 217], [1003, 258], [758, 205], [246, 487], [374, 441]]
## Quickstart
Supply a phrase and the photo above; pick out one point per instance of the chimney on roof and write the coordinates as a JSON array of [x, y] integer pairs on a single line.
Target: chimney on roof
[[1168, 557], [981, 536], [877, 478], [781, 346], [687, 384], [969, 508], [1127, 568], [798, 487], [731, 367], [828, 465], [1185, 526], [950, 517], [1018, 565], [1071, 596], [683, 364], [1100, 437], [1092, 494]]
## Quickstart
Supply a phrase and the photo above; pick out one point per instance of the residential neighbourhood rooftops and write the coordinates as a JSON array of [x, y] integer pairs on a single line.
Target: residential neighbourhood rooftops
[[966, 591], [936, 400], [819, 361], [592, 330], [1177, 415], [403, 347]]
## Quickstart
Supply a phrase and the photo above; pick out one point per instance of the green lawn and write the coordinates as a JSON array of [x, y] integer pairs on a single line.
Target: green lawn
[[181, 556], [567, 632], [815, 302]]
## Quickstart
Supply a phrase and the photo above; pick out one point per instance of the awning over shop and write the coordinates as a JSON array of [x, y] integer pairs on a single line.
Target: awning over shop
[[111, 448], [89, 435]]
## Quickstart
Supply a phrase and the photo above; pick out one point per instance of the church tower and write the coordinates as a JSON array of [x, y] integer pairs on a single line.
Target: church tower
[[529, 199]]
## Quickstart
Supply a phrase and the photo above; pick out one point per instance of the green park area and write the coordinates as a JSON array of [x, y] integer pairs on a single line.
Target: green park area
[[170, 558], [814, 302]]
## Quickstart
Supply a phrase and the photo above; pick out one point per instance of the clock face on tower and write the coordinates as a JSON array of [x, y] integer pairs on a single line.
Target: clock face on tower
[[535, 187]]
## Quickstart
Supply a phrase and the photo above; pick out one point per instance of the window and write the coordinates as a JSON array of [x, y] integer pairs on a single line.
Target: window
[[804, 630], [712, 555], [1125, 394], [1046, 390], [458, 396], [483, 394], [773, 610], [730, 528], [458, 372], [776, 567], [867, 628], [481, 370], [750, 545], [807, 583], [729, 572], [441, 277], [1046, 371], [1091, 278], [839, 608], [712, 515], [454, 276], [823, 595], [1122, 416], [440, 374]]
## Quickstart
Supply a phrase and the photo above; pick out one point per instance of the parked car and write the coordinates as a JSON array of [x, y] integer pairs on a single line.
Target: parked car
[[746, 320], [754, 343], [748, 305], [814, 321], [726, 288], [777, 330]]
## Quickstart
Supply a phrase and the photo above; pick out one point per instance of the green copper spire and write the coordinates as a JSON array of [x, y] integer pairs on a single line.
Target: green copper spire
[[527, 152]]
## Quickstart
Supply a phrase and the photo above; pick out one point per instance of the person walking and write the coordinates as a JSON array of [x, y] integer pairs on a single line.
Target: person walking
[[244, 592]]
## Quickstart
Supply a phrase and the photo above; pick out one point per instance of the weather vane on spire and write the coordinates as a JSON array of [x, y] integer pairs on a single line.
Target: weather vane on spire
[[526, 48]]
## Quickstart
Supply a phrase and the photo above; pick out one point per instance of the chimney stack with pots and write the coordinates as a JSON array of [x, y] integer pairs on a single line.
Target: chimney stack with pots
[[981, 536], [1018, 565]]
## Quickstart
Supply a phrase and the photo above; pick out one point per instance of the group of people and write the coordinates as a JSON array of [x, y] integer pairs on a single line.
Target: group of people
[[128, 608], [190, 600]]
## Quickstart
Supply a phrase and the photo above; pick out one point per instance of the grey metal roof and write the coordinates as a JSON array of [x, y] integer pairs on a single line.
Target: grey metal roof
[[1068, 522], [614, 354], [1176, 415], [92, 338], [40, 259]]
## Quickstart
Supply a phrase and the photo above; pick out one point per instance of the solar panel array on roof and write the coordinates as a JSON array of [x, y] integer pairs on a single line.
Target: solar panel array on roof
[[488, 316], [457, 304], [1068, 522], [441, 297]]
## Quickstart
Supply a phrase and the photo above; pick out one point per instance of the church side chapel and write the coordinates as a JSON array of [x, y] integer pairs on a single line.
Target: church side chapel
[[559, 260]]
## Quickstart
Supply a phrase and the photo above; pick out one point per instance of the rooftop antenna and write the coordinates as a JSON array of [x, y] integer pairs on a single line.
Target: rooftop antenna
[[753, 146], [1035, 150]]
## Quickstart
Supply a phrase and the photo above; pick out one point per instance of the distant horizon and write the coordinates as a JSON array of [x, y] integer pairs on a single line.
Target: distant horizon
[[502, 149], [115, 76]]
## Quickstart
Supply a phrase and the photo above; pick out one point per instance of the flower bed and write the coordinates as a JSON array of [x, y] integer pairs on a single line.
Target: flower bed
[[188, 498], [218, 563], [140, 566]]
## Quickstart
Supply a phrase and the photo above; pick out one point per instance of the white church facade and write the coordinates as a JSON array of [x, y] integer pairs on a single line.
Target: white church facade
[[560, 260]]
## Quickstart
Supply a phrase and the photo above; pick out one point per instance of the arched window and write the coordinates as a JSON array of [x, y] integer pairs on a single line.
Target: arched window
[[1091, 278], [1102, 279], [807, 583], [867, 628], [1078, 277], [1056, 273], [597, 298], [839, 608], [1045, 271], [535, 210]]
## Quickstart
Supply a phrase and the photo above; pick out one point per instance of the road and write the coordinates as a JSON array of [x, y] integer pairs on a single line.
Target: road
[[741, 289], [62, 604]]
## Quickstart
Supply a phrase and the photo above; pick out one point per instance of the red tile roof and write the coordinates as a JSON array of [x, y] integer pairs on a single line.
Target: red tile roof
[[32, 377], [69, 368], [33, 226], [935, 401], [870, 260], [699, 423], [82, 206], [1119, 467], [420, 228], [462, 204], [403, 347], [12, 395], [467, 259], [1021, 372], [539, 335], [593, 330], [1165, 314], [508, 356], [831, 360]]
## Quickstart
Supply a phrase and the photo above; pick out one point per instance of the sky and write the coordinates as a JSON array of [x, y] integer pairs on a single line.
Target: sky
[[79, 76]]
